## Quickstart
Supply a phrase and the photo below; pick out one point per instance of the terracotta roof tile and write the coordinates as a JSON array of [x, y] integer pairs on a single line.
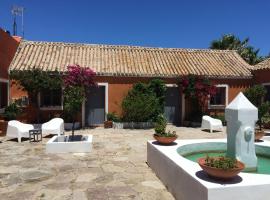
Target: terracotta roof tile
[[130, 60], [262, 65]]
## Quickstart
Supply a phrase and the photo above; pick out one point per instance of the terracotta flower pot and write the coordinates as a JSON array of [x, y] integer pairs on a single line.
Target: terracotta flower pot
[[164, 140], [221, 173], [108, 124], [259, 134]]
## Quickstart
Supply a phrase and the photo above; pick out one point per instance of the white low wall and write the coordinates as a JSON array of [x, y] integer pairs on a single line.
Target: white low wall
[[55, 145], [182, 176]]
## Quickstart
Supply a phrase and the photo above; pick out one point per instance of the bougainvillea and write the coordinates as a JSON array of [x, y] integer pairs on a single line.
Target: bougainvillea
[[79, 76], [198, 88], [77, 81]]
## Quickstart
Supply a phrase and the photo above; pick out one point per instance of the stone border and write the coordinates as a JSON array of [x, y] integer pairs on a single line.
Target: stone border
[[133, 125]]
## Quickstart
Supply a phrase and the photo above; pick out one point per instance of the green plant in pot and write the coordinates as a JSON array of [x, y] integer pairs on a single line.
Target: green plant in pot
[[12, 111], [256, 95], [221, 167], [111, 117], [161, 135]]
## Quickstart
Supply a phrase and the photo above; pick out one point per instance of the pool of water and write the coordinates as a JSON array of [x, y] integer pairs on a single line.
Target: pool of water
[[263, 161]]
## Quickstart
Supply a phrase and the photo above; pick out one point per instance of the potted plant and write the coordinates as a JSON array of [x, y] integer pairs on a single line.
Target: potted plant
[[11, 113], [111, 117], [221, 167], [256, 95], [161, 135]]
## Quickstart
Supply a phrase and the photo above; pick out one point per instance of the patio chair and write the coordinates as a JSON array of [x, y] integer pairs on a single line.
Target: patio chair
[[55, 126], [211, 123], [18, 129]]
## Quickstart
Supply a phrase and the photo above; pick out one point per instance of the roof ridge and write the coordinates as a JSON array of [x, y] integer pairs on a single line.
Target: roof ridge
[[129, 47]]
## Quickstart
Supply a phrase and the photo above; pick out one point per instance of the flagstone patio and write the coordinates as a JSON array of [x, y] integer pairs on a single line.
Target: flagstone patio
[[115, 169]]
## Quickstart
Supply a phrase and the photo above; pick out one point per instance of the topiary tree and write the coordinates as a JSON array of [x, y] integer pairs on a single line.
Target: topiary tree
[[34, 81], [77, 81], [256, 95]]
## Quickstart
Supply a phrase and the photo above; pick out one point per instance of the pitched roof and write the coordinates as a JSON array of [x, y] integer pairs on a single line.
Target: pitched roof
[[113, 60], [262, 65]]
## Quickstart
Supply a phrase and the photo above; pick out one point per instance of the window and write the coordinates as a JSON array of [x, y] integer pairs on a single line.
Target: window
[[23, 101], [3, 94], [51, 98], [221, 96], [267, 96]]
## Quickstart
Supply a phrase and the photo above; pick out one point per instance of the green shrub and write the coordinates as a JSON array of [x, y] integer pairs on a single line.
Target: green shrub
[[160, 127], [113, 117], [158, 87], [12, 111], [139, 107], [144, 102], [256, 95]]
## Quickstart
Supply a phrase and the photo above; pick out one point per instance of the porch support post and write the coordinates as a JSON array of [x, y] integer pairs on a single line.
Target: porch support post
[[83, 114], [183, 108]]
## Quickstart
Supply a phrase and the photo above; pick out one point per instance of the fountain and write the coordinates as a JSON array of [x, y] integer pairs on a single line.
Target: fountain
[[241, 117], [175, 165]]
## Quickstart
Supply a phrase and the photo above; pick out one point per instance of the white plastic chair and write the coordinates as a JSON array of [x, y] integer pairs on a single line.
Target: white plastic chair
[[211, 123], [18, 129], [54, 126]]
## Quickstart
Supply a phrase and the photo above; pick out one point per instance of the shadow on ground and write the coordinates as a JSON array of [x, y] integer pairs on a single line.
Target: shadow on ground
[[204, 176]]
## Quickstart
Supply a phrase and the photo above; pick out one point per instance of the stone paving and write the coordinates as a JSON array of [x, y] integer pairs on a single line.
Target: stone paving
[[115, 169]]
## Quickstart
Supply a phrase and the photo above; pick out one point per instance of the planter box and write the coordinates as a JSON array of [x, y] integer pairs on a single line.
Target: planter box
[[133, 125], [68, 126], [62, 144]]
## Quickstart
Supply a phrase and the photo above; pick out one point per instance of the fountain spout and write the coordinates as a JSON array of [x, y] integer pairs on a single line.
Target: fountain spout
[[241, 116]]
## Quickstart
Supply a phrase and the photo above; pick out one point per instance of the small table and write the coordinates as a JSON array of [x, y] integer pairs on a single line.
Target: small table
[[34, 135]]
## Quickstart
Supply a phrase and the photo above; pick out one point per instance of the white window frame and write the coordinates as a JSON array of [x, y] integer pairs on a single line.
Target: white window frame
[[2, 110], [226, 98], [51, 107]]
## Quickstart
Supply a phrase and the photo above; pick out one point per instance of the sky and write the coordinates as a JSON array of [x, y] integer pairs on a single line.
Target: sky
[[152, 23]]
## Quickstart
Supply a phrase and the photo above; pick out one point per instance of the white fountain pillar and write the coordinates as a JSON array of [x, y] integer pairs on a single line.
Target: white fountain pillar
[[241, 117]]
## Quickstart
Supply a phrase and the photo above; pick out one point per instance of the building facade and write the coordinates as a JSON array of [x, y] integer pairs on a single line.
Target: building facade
[[119, 67]]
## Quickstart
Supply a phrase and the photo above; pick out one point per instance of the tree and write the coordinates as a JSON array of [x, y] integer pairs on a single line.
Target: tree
[[77, 81], [256, 95], [199, 90], [34, 81], [246, 51]]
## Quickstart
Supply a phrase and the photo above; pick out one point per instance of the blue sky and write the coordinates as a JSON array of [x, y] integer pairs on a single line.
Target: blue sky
[[167, 23]]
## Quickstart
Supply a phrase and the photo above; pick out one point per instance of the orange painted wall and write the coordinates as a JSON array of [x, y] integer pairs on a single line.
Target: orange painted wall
[[118, 88], [8, 47], [117, 93]]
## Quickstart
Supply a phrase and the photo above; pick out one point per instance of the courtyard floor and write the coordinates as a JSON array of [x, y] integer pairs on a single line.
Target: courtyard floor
[[115, 169]]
